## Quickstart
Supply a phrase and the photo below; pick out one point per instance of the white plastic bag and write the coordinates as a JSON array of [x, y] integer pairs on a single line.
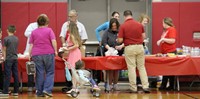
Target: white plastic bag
[[111, 52]]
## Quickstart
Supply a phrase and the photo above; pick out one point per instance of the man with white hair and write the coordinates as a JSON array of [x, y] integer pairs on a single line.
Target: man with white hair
[[73, 17]]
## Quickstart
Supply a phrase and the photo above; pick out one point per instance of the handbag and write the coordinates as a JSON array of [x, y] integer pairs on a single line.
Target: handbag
[[30, 68], [68, 75]]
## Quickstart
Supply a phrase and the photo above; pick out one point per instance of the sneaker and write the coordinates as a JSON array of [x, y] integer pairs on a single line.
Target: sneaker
[[146, 90], [47, 94], [14, 94], [68, 92], [4, 95], [75, 90], [132, 91], [108, 88], [40, 95], [170, 89], [96, 88], [162, 88], [30, 89], [115, 87], [105, 85]]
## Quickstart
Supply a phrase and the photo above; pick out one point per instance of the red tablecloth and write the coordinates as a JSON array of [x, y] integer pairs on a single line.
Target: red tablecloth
[[154, 65]]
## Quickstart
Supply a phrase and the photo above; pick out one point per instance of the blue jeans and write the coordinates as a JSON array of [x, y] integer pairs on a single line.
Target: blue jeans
[[45, 66], [1, 77], [10, 66]]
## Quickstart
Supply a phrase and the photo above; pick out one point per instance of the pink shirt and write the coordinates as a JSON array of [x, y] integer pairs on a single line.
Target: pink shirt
[[41, 39]]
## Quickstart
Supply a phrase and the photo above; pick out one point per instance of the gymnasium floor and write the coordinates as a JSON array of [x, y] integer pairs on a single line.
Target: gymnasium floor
[[122, 94]]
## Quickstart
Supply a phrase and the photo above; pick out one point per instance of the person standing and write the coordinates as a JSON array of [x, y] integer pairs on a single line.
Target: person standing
[[144, 19], [73, 17], [27, 33], [102, 27], [131, 33], [1, 61], [41, 39], [105, 26], [167, 44], [10, 47], [109, 41], [74, 43]]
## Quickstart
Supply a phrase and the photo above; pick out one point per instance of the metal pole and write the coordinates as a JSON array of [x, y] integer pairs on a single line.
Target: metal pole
[[69, 5], [108, 9]]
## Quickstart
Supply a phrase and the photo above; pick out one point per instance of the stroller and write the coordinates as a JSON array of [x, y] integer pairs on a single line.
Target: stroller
[[77, 81]]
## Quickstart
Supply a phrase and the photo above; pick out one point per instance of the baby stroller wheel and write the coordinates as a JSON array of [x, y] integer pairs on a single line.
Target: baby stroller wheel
[[91, 91], [107, 91], [64, 90], [74, 94], [96, 93]]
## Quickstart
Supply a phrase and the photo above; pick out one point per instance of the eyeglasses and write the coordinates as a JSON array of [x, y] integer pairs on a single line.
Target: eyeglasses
[[72, 16]]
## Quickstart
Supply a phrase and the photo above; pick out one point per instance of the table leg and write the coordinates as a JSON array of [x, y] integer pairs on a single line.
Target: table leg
[[178, 85], [21, 86]]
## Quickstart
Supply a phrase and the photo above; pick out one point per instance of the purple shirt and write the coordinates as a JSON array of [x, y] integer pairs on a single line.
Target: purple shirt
[[41, 39]]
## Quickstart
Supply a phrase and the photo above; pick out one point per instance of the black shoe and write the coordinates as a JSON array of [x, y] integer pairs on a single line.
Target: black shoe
[[162, 88], [170, 88], [146, 90], [66, 89], [40, 95], [132, 91]]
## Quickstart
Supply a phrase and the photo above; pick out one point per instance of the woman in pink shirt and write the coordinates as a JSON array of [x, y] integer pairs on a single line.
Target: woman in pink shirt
[[43, 48]]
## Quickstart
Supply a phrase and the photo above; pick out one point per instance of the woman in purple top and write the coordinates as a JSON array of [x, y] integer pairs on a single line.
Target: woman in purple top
[[43, 48]]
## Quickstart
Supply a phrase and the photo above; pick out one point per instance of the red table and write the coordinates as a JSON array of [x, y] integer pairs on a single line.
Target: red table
[[154, 65]]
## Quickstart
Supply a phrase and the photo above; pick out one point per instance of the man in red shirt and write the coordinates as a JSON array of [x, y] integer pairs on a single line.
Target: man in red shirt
[[131, 33]]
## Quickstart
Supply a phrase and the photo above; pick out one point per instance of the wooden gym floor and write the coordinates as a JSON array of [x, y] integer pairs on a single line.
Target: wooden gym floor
[[122, 94]]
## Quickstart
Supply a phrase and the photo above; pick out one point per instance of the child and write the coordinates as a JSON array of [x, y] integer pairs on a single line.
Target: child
[[73, 41], [1, 61], [10, 46], [85, 75]]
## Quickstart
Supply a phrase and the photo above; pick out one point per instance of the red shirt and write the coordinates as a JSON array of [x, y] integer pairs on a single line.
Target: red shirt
[[166, 47], [131, 32]]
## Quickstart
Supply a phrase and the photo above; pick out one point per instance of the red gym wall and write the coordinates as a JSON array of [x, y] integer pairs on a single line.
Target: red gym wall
[[186, 19], [21, 14]]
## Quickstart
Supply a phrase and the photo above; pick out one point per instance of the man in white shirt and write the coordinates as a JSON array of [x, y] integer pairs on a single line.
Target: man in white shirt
[[73, 16], [27, 33]]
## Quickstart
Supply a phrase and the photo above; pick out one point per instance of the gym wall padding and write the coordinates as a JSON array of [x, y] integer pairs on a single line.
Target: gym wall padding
[[21, 14], [185, 16]]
